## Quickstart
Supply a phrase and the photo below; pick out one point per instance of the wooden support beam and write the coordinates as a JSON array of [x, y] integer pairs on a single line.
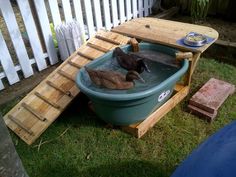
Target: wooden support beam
[[20, 124], [47, 100], [134, 44], [53, 85], [33, 111]]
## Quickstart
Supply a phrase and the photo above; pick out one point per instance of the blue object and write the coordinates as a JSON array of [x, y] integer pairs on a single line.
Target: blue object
[[216, 157], [181, 42], [125, 107]]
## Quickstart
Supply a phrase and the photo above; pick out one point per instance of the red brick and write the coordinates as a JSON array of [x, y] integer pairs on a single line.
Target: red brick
[[201, 113], [212, 95]]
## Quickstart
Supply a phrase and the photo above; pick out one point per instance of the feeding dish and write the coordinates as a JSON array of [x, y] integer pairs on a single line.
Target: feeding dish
[[195, 39]]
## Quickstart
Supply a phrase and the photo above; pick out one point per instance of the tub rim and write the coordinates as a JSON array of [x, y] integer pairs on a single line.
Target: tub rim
[[131, 96]]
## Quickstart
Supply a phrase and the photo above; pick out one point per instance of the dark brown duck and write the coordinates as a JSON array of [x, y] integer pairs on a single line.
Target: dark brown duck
[[112, 79]]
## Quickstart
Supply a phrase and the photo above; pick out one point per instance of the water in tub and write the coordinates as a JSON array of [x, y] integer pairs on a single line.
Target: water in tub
[[161, 65]]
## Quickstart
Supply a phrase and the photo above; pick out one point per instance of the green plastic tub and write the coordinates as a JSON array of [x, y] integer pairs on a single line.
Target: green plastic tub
[[125, 107]]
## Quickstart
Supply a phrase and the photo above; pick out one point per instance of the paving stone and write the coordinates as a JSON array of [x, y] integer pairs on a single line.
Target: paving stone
[[212, 95], [202, 113]]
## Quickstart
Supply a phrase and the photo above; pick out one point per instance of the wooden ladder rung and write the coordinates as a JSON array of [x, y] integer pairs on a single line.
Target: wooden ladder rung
[[85, 55], [33, 111], [66, 75], [107, 40], [68, 93], [74, 64], [47, 100], [20, 124], [97, 47]]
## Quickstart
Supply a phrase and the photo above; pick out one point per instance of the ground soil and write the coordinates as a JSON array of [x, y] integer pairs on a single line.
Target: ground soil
[[226, 29]]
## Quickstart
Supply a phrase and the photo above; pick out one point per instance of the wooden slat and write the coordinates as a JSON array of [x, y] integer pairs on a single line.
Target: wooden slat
[[85, 55], [10, 19], [128, 9], [101, 44], [107, 39], [121, 11], [74, 64], [33, 111], [89, 17], [53, 4], [32, 33], [115, 20], [19, 123], [45, 27], [140, 8], [107, 16], [135, 8], [111, 37], [68, 93], [7, 63], [48, 100], [97, 47], [66, 75], [97, 14], [67, 10]]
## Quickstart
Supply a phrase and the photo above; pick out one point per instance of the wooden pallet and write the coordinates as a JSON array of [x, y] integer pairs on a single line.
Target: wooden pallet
[[37, 111]]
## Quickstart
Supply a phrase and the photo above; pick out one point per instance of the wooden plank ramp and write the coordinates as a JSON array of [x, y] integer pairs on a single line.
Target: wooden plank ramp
[[35, 112]]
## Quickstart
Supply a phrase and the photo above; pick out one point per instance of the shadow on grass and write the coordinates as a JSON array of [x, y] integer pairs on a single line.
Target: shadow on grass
[[132, 168]]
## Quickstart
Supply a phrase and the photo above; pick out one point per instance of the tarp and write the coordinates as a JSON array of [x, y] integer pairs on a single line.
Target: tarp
[[216, 157]]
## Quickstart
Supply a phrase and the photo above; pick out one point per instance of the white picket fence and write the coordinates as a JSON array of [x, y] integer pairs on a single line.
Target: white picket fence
[[91, 14]]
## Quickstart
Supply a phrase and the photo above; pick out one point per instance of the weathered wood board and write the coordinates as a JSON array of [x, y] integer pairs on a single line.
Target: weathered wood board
[[37, 111], [164, 32]]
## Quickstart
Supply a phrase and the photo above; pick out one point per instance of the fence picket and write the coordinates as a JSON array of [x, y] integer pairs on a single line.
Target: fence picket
[[115, 20], [135, 12], [45, 27], [15, 34], [32, 34], [79, 14], [122, 11], [1, 85], [128, 9], [146, 7], [55, 12], [67, 10], [7, 63], [89, 17], [107, 16], [150, 5], [140, 8], [97, 11]]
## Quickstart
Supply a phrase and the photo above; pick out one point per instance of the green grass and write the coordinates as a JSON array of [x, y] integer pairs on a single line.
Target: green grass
[[89, 149]]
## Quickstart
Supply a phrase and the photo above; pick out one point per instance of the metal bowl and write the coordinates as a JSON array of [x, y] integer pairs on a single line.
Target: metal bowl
[[195, 39]]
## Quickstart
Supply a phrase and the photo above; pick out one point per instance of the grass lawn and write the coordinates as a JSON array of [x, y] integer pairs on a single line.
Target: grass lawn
[[80, 145]]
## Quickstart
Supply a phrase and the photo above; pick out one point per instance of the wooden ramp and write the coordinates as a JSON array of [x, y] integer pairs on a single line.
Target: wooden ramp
[[33, 114]]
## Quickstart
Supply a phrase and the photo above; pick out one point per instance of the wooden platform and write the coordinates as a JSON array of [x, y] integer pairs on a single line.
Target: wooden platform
[[139, 129], [37, 111]]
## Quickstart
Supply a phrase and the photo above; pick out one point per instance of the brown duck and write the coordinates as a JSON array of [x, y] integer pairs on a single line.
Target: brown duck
[[130, 62], [112, 79]]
